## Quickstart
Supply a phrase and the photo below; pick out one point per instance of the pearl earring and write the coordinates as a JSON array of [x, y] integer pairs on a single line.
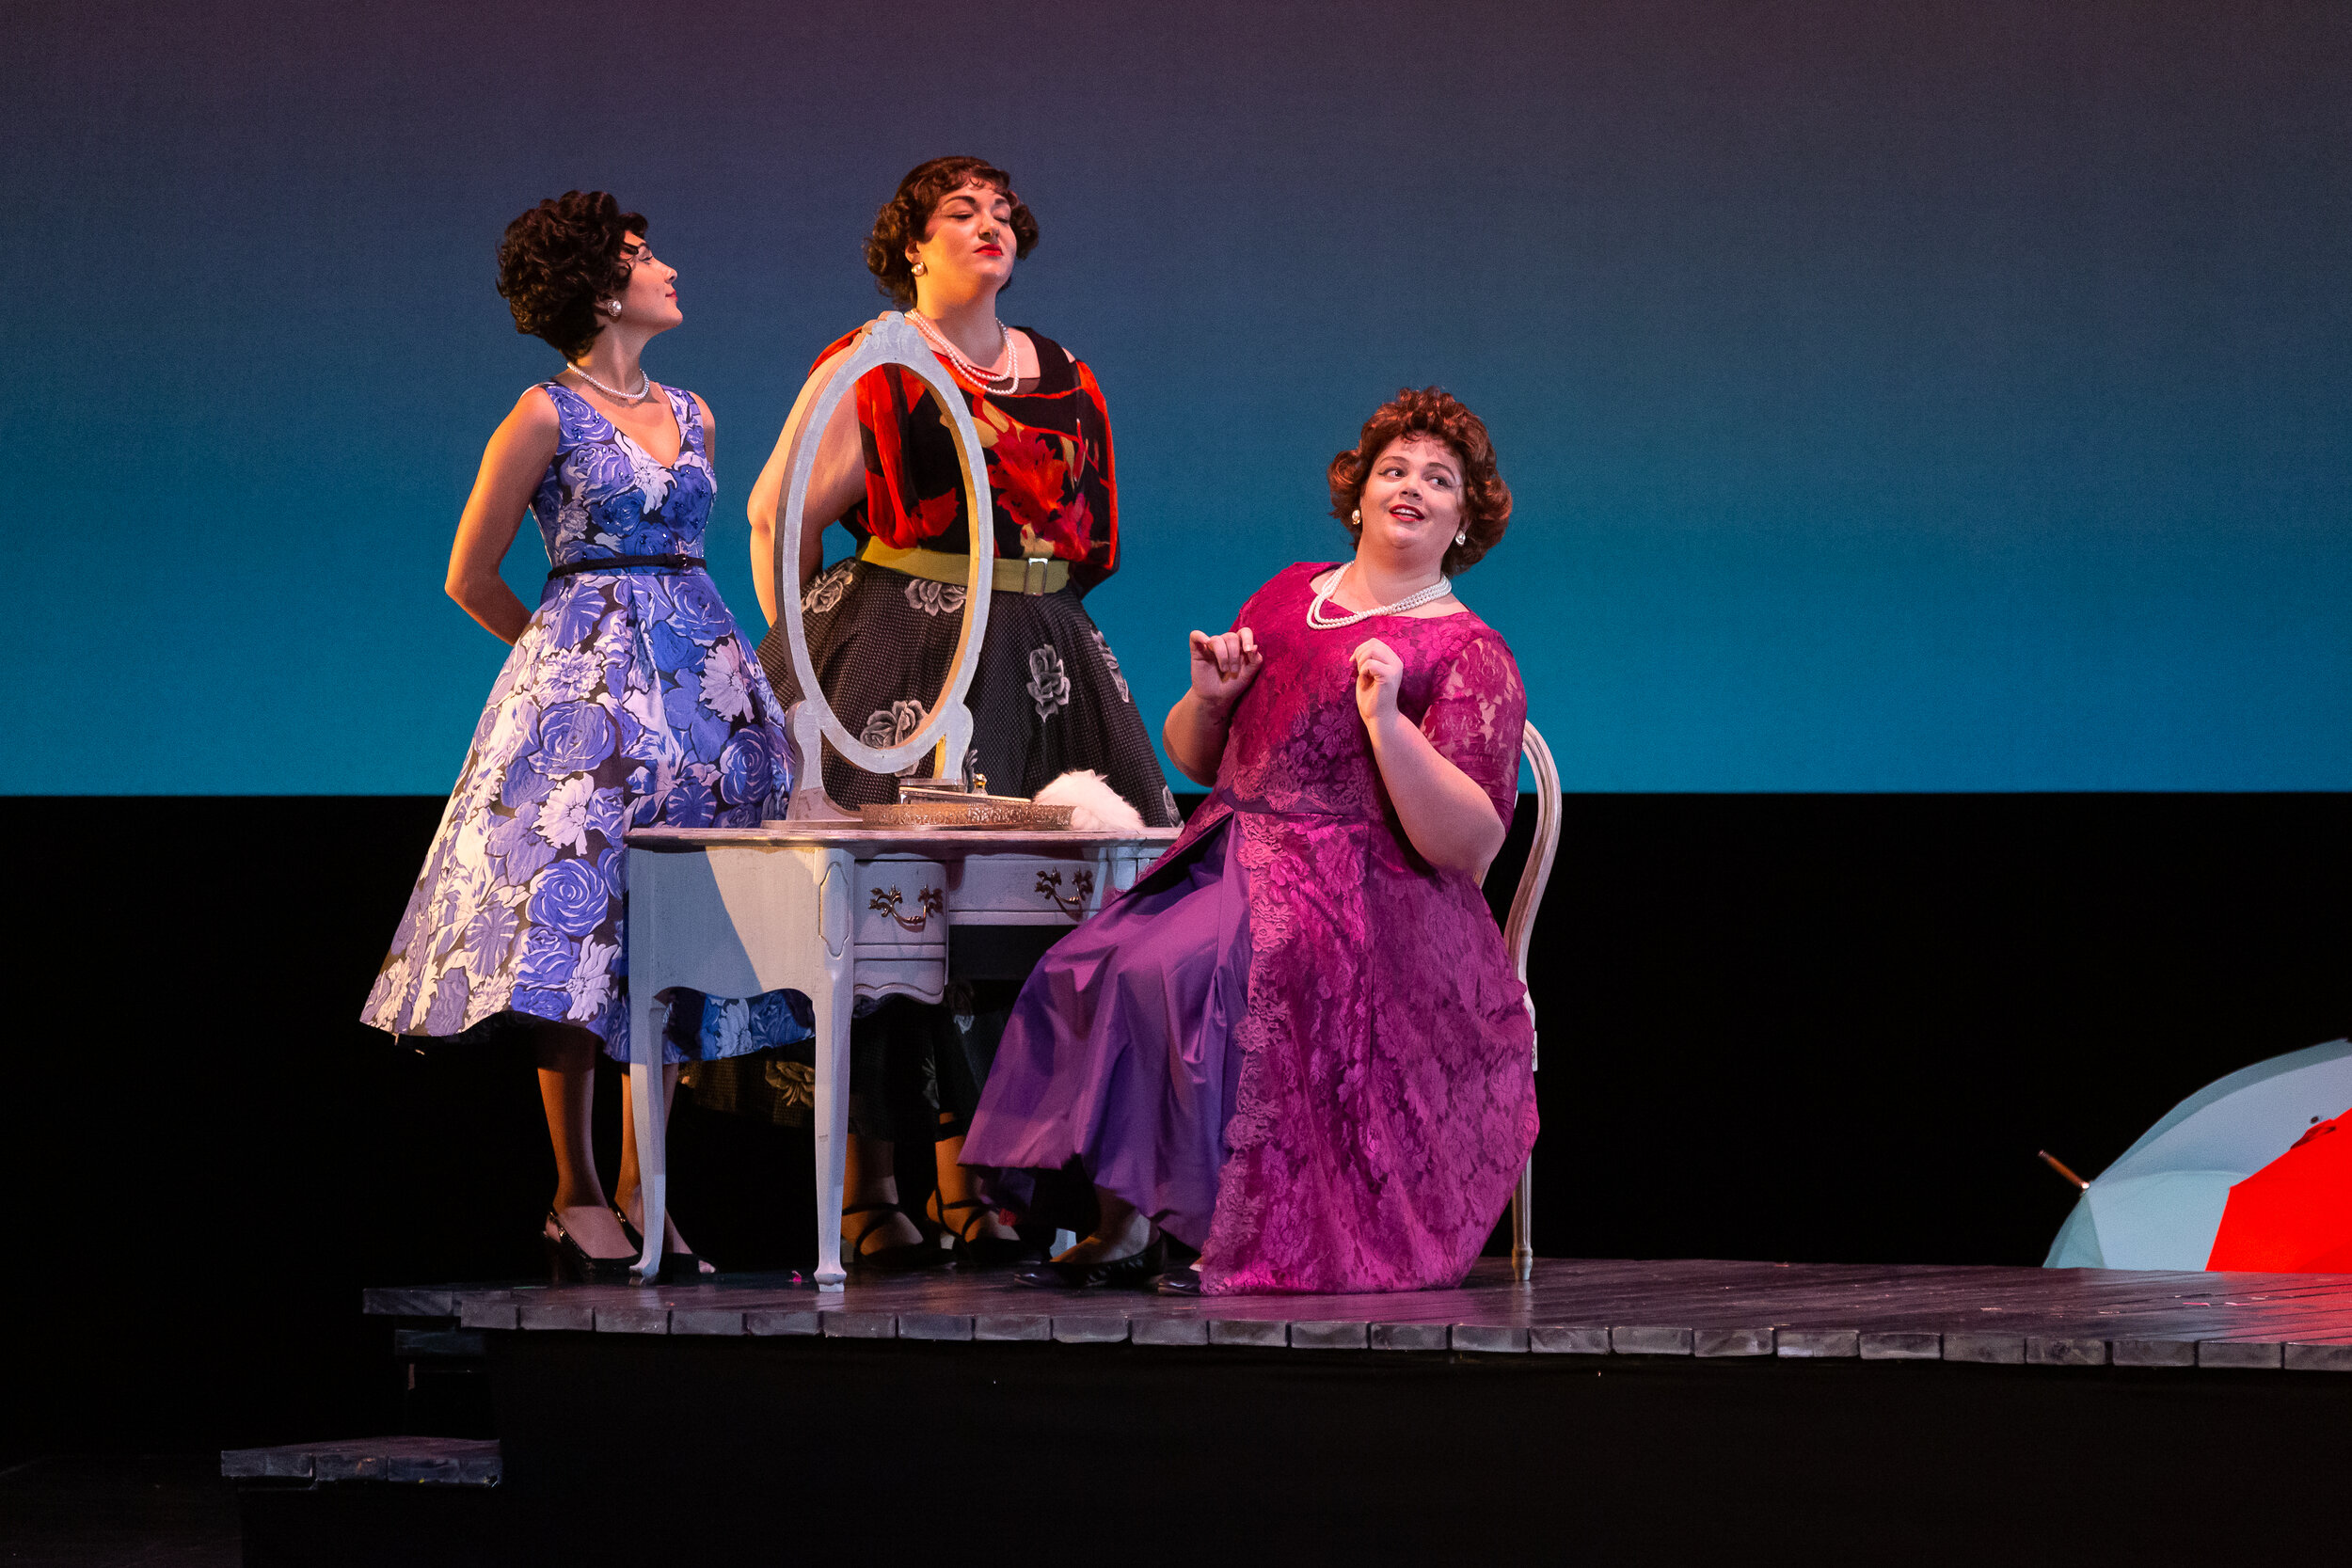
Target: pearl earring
[[612, 308], [918, 269], [1357, 516], [1462, 538]]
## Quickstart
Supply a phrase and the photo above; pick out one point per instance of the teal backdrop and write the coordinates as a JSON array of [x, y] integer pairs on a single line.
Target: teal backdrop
[[1917, 397]]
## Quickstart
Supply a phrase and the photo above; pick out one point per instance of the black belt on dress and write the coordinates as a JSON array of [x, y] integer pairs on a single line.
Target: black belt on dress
[[629, 564]]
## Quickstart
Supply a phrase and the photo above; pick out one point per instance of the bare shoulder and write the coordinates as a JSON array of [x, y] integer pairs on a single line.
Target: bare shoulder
[[534, 412], [532, 431], [711, 420]]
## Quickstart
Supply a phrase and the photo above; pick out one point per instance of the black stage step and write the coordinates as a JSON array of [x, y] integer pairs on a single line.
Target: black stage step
[[1607, 1411], [374, 1500]]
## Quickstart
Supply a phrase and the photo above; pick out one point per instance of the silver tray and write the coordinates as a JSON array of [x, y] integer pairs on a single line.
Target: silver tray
[[981, 811]]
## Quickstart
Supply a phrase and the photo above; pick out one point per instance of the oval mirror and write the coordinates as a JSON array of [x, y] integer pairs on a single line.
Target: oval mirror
[[889, 339]]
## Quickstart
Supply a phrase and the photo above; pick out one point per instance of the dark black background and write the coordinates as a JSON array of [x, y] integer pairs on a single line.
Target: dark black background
[[1789, 1027]]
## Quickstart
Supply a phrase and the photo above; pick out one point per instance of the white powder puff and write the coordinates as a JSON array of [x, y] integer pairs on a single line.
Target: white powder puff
[[1098, 808]]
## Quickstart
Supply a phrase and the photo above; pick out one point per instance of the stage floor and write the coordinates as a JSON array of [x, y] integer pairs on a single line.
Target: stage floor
[[2044, 1317]]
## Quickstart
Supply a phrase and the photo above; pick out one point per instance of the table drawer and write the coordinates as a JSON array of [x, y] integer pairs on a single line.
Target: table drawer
[[901, 902], [1033, 885]]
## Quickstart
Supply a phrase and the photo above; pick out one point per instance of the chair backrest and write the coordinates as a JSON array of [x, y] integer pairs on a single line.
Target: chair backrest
[[1519, 930]]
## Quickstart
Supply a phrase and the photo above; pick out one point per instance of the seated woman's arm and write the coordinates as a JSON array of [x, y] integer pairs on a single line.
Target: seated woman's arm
[[1223, 668], [1450, 819], [836, 483]]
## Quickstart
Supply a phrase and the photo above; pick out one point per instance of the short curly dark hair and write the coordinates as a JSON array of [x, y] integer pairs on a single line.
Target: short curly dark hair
[[906, 215], [1435, 413], [558, 259]]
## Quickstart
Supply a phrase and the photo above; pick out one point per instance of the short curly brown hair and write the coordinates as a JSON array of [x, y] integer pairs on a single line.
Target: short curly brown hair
[[904, 217], [1435, 413], [558, 259]]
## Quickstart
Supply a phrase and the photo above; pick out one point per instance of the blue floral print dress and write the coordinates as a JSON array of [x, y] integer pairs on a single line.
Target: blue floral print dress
[[630, 700]]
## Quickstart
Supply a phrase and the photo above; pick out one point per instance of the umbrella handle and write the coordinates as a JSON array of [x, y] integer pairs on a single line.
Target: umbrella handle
[[2059, 1166]]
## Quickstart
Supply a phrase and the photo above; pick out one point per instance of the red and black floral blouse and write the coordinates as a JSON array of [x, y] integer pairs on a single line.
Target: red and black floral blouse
[[1050, 475]]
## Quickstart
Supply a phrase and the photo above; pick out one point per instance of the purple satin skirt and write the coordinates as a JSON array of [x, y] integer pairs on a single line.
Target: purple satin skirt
[[1120, 1053]]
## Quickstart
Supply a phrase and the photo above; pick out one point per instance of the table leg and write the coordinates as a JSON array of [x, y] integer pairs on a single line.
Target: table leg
[[832, 1132], [653, 1165], [644, 1070], [831, 1005]]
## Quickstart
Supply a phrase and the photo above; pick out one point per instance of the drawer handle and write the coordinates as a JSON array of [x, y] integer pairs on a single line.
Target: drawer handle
[[1073, 905], [930, 900]]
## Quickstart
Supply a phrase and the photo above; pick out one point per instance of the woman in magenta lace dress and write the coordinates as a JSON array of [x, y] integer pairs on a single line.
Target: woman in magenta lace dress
[[1297, 1044]]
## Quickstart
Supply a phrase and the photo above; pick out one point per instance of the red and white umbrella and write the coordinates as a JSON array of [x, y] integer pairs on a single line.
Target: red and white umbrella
[[2295, 1215], [2240, 1175]]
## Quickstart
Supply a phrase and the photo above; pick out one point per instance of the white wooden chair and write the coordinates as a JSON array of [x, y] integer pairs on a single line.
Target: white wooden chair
[[1518, 931]]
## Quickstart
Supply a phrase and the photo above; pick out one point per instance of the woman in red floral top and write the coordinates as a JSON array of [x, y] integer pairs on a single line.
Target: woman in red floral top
[[883, 625], [1050, 474]]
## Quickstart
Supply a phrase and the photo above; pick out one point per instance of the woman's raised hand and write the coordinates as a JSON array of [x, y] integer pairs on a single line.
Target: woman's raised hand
[[1378, 675], [1222, 668], [1224, 665]]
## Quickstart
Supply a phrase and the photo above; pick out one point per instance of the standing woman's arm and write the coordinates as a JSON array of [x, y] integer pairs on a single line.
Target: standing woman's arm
[[512, 465], [836, 483]]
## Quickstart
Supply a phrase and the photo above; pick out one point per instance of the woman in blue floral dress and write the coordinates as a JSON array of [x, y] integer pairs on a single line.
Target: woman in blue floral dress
[[630, 700]]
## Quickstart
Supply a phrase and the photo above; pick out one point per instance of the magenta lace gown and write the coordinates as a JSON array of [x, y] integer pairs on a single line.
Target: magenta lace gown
[[1294, 1043]]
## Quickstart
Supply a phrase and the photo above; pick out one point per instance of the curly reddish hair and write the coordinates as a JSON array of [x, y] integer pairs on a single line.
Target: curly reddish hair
[[1438, 413], [907, 216], [558, 259]]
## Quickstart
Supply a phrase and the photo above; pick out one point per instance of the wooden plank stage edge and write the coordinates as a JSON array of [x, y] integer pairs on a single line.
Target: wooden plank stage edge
[[1986, 1315]]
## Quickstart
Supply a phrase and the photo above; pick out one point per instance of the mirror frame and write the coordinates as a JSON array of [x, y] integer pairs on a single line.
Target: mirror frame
[[890, 339]]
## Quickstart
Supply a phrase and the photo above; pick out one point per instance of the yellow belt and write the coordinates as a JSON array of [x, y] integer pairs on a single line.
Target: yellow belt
[[1037, 574]]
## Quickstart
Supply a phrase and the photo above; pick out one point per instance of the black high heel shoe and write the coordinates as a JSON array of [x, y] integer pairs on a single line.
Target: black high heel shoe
[[1134, 1272], [679, 1268], [976, 1253], [569, 1263], [904, 1257]]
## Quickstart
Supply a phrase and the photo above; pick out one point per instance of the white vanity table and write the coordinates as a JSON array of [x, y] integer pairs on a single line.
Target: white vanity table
[[836, 911], [820, 903]]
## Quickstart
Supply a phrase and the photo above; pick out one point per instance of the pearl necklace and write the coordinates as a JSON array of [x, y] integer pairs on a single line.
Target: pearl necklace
[[1316, 619], [645, 388], [988, 377]]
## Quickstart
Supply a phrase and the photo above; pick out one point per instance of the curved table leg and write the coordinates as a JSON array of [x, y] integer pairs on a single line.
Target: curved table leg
[[646, 1109], [832, 1119], [831, 1005], [653, 1165]]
